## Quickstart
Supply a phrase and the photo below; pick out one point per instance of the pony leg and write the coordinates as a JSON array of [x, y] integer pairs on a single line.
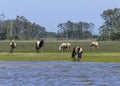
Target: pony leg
[[73, 55], [74, 58], [79, 57], [11, 50], [37, 50]]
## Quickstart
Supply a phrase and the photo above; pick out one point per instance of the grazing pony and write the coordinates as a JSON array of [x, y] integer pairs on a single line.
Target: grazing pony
[[95, 44], [68, 45], [79, 51], [39, 44], [64, 46], [13, 46]]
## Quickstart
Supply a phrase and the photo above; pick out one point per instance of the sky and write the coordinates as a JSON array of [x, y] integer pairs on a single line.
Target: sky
[[50, 13]]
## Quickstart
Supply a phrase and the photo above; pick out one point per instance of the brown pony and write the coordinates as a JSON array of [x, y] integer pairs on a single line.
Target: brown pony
[[13, 46], [79, 51]]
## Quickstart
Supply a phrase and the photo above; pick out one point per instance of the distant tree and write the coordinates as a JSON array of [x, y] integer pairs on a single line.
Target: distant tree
[[51, 35], [2, 16], [84, 30], [80, 30], [20, 28], [3, 36], [62, 30], [112, 23], [70, 28], [115, 36]]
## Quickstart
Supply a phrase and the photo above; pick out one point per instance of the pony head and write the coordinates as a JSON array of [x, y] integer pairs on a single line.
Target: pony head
[[13, 40], [62, 46]]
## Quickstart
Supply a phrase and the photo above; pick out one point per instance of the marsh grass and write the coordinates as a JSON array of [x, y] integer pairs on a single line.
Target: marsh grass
[[91, 57], [35, 56], [109, 51]]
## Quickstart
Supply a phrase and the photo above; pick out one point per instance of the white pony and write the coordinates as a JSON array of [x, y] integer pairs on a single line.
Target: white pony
[[95, 44], [64, 46], [68, 45]]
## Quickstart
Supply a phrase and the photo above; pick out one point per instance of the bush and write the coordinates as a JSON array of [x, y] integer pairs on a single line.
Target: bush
[[115, 36]]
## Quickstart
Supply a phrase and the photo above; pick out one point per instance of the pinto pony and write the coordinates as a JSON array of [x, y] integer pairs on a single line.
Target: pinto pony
[[13, 46], [39, 44], [64, 46], [79, 51], [95, 44]]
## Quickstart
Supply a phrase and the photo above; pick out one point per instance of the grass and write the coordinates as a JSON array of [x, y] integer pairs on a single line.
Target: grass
[[34, 56], [89, 57], [102, 57], [109, 51]]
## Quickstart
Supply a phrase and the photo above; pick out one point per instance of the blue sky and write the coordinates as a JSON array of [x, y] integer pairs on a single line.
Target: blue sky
[[49, 13]]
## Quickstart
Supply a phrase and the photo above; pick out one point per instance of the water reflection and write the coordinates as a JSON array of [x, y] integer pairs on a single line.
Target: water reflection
[[59, 73]]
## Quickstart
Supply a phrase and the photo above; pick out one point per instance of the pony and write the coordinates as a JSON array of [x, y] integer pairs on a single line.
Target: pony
[[95, 44], [39, 44], [12, 45], [64, 46], [79, 51], [68, 45]]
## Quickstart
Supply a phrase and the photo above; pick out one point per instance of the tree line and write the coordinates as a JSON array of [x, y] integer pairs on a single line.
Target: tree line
[[71, 30], [22, 28], [110, 30]]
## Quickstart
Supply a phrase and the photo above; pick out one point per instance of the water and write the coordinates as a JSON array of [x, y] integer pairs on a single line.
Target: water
[[59, 73]]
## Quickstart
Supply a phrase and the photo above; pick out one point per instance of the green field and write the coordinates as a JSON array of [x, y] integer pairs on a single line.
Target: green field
[[109, 51]]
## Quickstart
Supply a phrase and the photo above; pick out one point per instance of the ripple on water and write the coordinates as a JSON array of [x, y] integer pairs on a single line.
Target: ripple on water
[[57, 73]]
